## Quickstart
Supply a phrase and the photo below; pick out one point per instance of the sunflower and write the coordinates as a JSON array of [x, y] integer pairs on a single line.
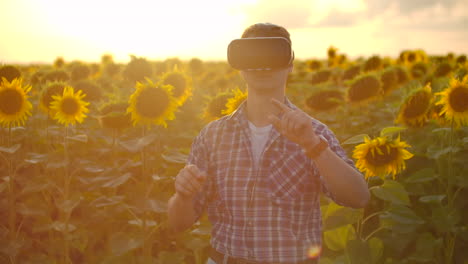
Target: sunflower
[[10, 73], [53, 88], [234, 102], [314, 65], [381, 156], [364, 88], [454, 100], [14, 105], [216, 106], [321, 76], [152, 104], [69, 107], [325, 100], [351, 72], [418, 70], [115, 116], [373, 63], [389, 79], [416, 108], [180, 83]]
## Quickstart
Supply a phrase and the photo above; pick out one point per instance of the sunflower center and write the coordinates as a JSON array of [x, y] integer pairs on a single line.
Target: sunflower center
[[70, 106], [152, 102], [417, 105], [10, 101], [363, 89], [458, 98], [381, 156]]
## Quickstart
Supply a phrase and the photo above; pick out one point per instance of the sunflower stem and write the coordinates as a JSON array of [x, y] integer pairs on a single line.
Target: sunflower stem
[[12, 196], [449, 165], [66, 213], [450, 237], [143, 154]]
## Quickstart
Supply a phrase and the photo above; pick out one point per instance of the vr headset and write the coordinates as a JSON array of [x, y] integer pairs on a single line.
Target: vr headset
[[263, 53]]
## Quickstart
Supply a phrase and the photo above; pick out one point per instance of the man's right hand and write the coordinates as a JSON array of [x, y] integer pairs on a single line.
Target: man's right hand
[[189, 181]]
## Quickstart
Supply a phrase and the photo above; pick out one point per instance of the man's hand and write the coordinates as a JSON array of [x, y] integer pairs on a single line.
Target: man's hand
[[295, 125], [189, 181]]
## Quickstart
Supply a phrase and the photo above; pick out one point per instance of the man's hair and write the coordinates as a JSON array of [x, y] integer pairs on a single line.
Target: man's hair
[[266, 30]]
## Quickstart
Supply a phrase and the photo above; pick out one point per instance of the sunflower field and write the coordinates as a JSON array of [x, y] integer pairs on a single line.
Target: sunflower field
[[89, 153]]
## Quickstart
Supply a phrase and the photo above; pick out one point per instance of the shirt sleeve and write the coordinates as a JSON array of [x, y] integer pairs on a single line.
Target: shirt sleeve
[[335, 146], [199, 156]]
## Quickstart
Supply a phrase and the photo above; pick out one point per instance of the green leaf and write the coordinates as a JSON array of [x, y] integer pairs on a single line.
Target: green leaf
[[157, 206], [36, 158], [358, 251], [175, 157], [171, 257], [62, 227], [355, 139], [117, 181], [336, 216], [11, 149], [426, 246], [141, 223], [104, 201], [196, 244], [432, 198], [80, 138], [436, 153], [391, 191], [138, 144], [336, 239], [423, 175], [67, 206], [123, 242], [388, 131], [403, 215], [376, 248]]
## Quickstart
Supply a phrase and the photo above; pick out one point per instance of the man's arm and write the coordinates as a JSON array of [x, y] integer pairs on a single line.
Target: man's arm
[[181, 213], [345, 183]]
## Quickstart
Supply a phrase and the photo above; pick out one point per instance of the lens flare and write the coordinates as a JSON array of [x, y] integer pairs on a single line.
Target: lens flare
[[314, 251]]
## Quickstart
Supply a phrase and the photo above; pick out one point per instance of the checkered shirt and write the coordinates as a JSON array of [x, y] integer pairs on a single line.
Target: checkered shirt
[[269, 213]]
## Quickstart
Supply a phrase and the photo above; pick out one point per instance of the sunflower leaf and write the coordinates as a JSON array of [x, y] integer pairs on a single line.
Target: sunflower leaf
[[388, 131], [11, 149], [432, 198], [355, 139], [80, 138], [138, 144], [393, 192]]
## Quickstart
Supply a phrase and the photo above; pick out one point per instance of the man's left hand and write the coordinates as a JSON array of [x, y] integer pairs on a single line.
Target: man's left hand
[[294, 124]]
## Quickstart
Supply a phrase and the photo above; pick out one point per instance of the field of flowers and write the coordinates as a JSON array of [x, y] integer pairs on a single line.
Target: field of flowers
[[89, 152]]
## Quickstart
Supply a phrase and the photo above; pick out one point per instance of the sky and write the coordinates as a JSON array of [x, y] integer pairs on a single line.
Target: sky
[[34, 31]]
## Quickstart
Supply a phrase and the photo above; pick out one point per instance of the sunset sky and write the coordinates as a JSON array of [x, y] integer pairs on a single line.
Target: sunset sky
[[42, 30]]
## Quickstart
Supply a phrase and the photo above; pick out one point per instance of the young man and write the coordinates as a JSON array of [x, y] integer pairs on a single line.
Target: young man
[[259, 171]]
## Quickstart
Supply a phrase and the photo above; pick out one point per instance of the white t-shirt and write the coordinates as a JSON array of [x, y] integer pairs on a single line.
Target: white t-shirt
[[258, 140]]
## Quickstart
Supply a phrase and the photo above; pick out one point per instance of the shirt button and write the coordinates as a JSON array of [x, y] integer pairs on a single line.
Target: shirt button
[[250, 223]]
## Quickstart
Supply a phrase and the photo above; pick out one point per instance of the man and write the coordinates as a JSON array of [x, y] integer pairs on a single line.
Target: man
[[259, 171]]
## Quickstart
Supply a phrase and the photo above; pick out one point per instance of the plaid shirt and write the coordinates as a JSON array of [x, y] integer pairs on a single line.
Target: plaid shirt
[[270, 213]]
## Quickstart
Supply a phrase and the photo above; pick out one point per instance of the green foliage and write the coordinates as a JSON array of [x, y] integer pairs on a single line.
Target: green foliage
[[96, 195]]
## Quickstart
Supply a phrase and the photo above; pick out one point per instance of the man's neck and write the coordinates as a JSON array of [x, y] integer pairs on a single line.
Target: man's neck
[[259, 106]]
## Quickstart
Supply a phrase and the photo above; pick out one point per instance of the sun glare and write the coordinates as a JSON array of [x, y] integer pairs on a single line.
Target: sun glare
[[158, 29]]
